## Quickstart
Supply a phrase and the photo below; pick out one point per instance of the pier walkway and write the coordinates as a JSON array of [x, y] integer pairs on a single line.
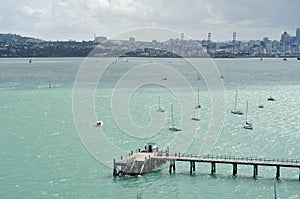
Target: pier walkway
[[141, 163], [233, 160]]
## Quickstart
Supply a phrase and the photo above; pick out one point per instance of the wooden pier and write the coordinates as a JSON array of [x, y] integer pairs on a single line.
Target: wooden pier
[[141, 163], [233, 160]]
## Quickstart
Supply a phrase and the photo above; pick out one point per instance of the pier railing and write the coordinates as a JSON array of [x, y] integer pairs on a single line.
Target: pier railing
[[234, 158]]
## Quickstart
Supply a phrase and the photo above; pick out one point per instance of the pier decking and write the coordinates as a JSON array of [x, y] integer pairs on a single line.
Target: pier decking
[[150, 161]]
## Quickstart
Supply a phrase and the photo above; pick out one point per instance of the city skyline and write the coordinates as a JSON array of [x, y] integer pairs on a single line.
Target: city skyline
[[80, 20], [12, 45], [172, 35]]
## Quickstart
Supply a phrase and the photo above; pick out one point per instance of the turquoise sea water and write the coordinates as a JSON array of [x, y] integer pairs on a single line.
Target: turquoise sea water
[[42, 156]]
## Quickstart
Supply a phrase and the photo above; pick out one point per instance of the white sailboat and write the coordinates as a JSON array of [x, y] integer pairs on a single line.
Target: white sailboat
[[160, 108], [271, 98], [173, 127], [247, 125], [259, 103], [198, 103], [195, 117], [235, 110]]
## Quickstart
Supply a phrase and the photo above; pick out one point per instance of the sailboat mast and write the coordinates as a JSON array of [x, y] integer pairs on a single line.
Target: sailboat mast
[[246, 111], [159, 102], [172, 114], [235, 100], [198, 97]]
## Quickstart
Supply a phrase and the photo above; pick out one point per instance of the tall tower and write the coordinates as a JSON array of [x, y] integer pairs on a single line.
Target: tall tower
[[209, 37], [284, 41], [233, 42], [234, 37], [208, 42], [298, 35], [182, 37]]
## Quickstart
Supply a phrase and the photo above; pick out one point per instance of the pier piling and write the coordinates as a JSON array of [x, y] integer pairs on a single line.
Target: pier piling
[[234, 170], [277, 172], [192, 166], [255, 170], [172, 166], [115, 173], [213, 168]]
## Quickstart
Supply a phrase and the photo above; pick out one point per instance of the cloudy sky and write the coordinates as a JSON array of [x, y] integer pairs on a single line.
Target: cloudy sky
[[80, 19]]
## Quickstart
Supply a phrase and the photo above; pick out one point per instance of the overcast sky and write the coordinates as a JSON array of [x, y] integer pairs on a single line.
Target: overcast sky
[[80, 19]]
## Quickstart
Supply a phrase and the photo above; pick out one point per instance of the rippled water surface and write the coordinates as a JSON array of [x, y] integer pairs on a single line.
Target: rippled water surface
[[42, 156]]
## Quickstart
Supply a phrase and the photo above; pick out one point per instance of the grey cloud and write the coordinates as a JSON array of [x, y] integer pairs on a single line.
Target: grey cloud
[[67, 19]]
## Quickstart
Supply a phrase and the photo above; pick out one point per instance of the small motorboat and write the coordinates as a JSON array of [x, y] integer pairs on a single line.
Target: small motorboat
[[99, 123], [174, 128], [195, 118], [237, 112]]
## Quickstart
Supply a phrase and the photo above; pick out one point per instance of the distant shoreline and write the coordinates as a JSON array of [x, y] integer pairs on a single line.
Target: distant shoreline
[[15, 46], [154, 57]]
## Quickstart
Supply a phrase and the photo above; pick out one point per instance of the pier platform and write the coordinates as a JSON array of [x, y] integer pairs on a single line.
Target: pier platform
[[140, 163]]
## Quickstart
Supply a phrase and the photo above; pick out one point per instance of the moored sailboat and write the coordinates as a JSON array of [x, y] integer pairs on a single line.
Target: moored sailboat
[[195, 117], [259, 103], [198, 101], [173, 127], [271, 98], [160, 108], [247, 125], [235, 110]]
